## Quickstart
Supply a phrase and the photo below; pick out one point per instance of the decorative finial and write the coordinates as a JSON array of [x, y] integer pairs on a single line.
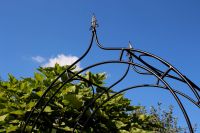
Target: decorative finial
[[94, 22], [130, 45]]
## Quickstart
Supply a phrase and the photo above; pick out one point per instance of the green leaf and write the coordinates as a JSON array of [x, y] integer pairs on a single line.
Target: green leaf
[[142, 117], [58, 104], [103, 114], [3, 117], [69, 89], [12, 79], [25, 96], [2, 130], [14, 121], [2, 98], [48, 109], [39, 93], [67, 128], [119, 124], [18, 112], [58, 69], [137, 130], [22, 86], [11, 128], [30, 105], [123, 131], [73, 99], [38, 77]]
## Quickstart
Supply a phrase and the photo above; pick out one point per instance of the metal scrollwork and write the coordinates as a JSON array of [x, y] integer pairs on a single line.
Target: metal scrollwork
[[135, 62]]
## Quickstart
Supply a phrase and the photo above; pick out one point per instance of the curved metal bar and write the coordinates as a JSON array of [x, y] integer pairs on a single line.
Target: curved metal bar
[[139, 72], [92, 91], [149, 70], [186, 80], [131, 52], [67, 82], [168, 65], [49, 88], [171, 76], [123, 90], [101, 46], [136, 87], [187, 97], [166, 84], [94, 100]]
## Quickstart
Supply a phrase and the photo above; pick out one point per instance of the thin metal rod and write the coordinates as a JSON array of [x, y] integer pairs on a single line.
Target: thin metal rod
[[94, 100], [163, 75], [120, 62], [151, 55], [121, 54], [142, 61], [173, 68], [192, 84], [42, 97], [105, 48], [166, 84], [144, 65], [137, 87], [58, 91], [172, 77]]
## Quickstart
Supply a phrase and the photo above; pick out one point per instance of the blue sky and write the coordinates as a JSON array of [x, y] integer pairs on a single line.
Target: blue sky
[[46, 30]]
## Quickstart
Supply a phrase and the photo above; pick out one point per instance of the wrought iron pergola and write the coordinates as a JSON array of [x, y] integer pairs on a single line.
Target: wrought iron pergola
[[135, 62]]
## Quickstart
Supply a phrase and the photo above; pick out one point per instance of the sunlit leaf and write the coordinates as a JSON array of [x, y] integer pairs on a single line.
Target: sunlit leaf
[[11, 128], [3, 117], [119, 124], [48, 109], [18, 112], [38, 77]]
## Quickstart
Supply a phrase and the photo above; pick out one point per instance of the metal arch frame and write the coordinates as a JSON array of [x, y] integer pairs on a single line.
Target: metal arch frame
[[132, 54]]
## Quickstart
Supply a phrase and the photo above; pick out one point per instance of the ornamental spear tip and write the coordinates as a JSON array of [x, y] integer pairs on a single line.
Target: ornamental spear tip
[[129, 44], [94, 21]]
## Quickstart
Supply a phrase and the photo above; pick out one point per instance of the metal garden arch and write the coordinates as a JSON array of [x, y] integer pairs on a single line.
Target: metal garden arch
[[133, 54]]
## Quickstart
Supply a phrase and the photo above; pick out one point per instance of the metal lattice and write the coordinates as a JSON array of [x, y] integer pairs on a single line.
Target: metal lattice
[[134, 56]]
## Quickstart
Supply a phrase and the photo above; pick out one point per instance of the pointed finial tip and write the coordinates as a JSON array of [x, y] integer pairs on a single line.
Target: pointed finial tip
[[130, 45], [93, 17], [94, 21]]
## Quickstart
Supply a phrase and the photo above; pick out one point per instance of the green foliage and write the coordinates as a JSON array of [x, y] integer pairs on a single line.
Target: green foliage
[[18, 97]]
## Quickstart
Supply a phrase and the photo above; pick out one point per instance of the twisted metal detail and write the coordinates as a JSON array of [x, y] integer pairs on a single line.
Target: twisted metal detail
[[133, 56]]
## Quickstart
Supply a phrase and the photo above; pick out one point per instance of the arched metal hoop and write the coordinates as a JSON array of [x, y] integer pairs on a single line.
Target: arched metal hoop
[[133, 56]]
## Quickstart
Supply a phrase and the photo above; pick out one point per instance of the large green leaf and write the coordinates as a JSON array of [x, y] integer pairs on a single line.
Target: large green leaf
[[11, 128], [73, 100], [48, 109], [12, 79], [119, 124], [3, 117], [18, 112], [39, 77]]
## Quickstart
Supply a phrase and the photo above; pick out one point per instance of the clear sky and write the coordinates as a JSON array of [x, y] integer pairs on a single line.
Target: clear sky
[[33, 32]]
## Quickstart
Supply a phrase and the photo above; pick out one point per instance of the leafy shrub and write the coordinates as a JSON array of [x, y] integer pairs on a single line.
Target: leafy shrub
[[19, 96]]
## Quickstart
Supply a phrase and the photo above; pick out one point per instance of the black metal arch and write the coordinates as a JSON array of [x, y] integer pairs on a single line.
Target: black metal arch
[[133, 56]]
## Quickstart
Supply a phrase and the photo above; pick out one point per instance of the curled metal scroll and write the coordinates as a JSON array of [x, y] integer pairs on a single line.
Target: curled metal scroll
[[133, 56]]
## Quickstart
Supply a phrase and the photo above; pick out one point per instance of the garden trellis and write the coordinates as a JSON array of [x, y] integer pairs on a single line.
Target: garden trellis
[[135, 62]]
